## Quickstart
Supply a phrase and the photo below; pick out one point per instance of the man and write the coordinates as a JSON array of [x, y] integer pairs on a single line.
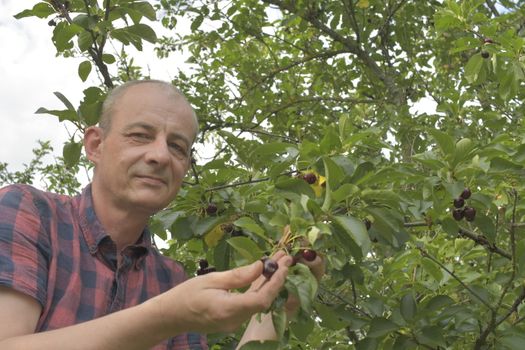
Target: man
[[80, 273]]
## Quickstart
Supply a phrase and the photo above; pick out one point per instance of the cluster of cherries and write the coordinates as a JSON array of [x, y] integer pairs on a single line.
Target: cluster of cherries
[[460, 210], [269, 265]]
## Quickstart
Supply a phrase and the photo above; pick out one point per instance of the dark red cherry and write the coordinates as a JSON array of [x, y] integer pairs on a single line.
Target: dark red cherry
[[269, 267], [310, 178], [466, 193], [459, 202], [309, 254], [458, 214], [469, 213]]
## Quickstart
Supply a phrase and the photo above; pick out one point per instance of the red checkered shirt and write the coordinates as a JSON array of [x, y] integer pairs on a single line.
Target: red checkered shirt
[[54, 249]]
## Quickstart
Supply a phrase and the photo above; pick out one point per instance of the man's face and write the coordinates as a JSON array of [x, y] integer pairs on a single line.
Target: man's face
[[145, 153]]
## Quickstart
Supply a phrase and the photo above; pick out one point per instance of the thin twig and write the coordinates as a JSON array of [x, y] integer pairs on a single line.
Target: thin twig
[[437, 262]]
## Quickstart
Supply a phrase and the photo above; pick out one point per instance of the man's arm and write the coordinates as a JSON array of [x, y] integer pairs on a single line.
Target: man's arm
[[203, 304], [19, 313]]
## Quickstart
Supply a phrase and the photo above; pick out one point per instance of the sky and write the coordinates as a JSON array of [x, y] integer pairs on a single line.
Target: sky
[[30, 72]]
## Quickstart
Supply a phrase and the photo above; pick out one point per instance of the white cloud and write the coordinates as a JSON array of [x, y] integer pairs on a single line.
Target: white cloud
[[30, 73]]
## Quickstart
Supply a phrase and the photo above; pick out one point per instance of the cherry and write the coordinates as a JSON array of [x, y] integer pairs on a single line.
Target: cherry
[[469, 213], [368, 223], [310, 178], [485, 54], [488, 41], [203, 263], [269, 267], [459, 202], [458, 214], [308, 254], [211, 208], [237, 233], [466, 193]]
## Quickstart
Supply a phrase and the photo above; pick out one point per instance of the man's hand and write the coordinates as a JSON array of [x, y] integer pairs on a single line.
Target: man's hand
[[207, 303], [262, 328]]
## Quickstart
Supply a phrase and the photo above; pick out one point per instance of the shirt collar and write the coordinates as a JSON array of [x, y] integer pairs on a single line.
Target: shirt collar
[[92, 229]]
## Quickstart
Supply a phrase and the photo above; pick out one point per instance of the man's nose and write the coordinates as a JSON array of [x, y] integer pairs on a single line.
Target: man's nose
[[158, 152]]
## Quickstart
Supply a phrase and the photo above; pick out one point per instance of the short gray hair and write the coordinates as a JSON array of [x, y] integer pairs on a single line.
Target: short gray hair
[[116, 93]]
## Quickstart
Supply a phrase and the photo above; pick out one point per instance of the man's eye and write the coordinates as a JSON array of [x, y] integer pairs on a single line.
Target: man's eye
[[177, 148], [139, 136]]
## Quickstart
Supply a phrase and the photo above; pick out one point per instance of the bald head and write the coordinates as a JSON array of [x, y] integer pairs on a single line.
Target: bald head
[[115, 95]]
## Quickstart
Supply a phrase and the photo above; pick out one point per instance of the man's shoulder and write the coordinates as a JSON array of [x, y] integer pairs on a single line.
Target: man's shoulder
[[22, 194], [16, 193]]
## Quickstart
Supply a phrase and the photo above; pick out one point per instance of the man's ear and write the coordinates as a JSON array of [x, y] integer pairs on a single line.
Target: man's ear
[[93, 142]]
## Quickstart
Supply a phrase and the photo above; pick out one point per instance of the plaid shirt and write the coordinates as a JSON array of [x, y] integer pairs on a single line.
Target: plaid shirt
[[54, 249]]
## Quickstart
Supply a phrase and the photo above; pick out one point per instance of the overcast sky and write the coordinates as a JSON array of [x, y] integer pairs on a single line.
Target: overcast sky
[[30, 72]]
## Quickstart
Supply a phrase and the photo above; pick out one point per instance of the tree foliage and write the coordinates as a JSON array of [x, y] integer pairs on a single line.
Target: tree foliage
[[289, 88]]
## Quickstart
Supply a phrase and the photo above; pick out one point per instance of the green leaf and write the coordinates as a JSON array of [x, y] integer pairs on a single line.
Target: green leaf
[[335, 173], [108, 58], [473, 68], [67, 114], [293, 185], [356, 230], [445, 142], [63, 34], [204, 225], [134, 35], [84, 69], [329, 317], [279, 322], [64, 100], [71, 153], [182, 228], [438, 302], [143, 31], [380, 326], [85, 40], [40, 10], [502, 165], [432, 269], [145, 9], [302, 283], [463, 151], [248, 250], [512, 340], [408, 307], [445, 20], [450, 225], [250, 225], [196, 23], [433, 336], [367, 344], [302, 328]]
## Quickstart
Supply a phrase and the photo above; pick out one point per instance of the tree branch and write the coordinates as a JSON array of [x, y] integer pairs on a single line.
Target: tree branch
[[437, 262], [492, 7], [482, 240], [396, 94]]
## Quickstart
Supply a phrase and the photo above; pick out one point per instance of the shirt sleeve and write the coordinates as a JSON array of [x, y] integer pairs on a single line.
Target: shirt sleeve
[[24, 244]]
